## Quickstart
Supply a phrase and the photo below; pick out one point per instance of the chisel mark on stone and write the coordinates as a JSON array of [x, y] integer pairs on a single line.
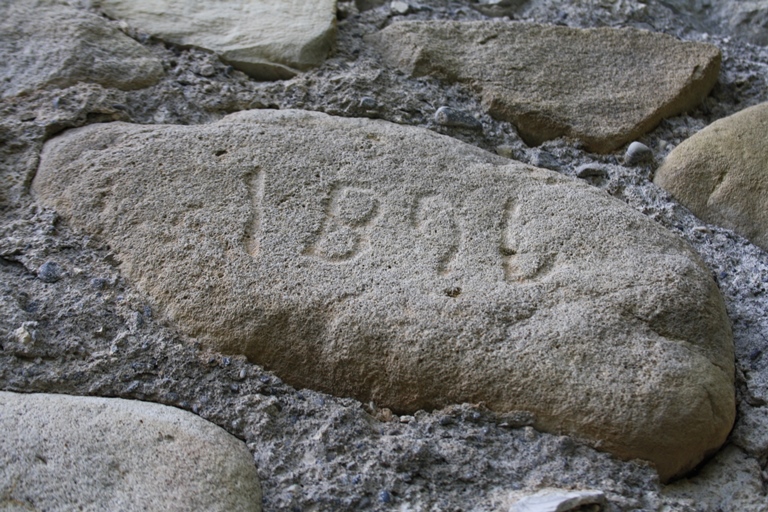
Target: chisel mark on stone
[[255, 182]]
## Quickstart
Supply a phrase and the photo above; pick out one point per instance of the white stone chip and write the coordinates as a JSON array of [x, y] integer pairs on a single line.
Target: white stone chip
[[556, 500]]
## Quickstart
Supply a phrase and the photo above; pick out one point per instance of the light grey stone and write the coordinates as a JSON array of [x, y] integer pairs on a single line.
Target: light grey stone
[[544, 159], [407, 268], [400, 7], [267, 39], [602, 86], [62, 453], [558, 500], [591, 170], [44, 43], [721, 173], [447, 116], [498, 8], [638, 153], [505, 150]]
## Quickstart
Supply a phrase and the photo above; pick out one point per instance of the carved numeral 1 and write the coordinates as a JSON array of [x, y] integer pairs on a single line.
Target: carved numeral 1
[[255, 183], [508, 246]]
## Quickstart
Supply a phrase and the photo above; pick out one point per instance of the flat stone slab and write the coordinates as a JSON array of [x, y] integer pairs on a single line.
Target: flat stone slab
[[721, 173], [267, 39], [62, 453], [46, 44], [602, 86], [393, 264]]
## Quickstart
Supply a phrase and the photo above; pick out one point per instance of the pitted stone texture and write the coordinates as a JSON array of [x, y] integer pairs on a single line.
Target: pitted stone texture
[[46, 44], [730, 481], [721, 173], [61, 453], [397, 265], [267, 39], [746, 19], [603, 86]]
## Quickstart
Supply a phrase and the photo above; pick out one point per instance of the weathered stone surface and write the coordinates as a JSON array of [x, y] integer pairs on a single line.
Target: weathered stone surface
[[721, 173], [730, 481], [603, 86], [746, 19], [46, 44], [61, 453], [267, 39], [397, 265]]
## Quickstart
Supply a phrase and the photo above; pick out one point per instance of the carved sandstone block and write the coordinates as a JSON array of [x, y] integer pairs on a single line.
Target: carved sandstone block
[[393, 264]]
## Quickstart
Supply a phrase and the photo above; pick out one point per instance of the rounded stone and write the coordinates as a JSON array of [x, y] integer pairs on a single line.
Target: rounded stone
[[448, 116], [61, 453], [49, 272], [637, 153], [721, 173], [403, 267]]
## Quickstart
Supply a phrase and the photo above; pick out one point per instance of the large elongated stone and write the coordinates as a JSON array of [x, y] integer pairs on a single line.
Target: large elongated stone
[[60, 453], [393, 264], [44, 43], [721, 173], [603, 86], [267, 39]]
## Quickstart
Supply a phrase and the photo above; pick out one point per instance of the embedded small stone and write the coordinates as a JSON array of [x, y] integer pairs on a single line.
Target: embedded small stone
[[368, 103], [637, 153], [505, 151], [23, 336], [447, 116], [545, 159], [399, 7], [557, 500], [49, 272], [591, 170], [498, 8], [207, 70]]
